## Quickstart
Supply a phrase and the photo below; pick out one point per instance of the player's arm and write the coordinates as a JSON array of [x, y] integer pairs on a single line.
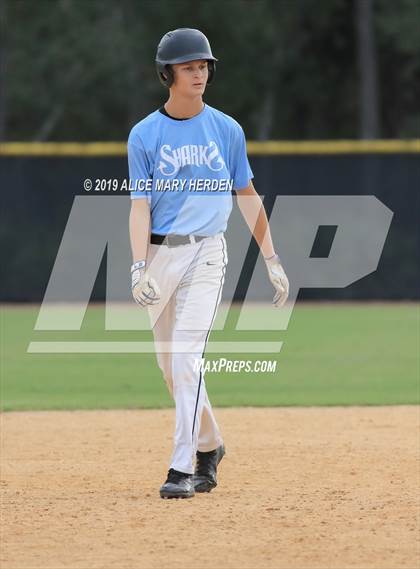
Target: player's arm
[[144, 288], [139, 224], [253, 211]]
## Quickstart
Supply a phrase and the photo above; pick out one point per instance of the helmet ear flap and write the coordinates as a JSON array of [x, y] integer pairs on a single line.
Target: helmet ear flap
[[211, 65], [165, 74], [169, 72]]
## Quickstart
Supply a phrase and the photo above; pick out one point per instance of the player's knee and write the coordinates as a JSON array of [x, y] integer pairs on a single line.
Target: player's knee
[[166, 370], [167, 376]]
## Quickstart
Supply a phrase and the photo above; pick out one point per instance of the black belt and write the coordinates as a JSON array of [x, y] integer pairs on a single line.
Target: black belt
[[173, 240]]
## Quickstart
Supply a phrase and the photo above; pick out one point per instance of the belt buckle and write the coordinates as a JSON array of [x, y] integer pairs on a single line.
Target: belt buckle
[[171, 240], [174, 240]]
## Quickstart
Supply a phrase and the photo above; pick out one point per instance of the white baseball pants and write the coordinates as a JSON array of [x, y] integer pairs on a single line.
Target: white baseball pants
[[191, 279]]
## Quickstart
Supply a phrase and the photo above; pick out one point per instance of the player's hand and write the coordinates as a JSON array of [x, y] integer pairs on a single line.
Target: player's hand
[[278, 279], [144, 287]]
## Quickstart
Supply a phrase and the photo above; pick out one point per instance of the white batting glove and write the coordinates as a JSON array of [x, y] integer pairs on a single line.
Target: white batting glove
[[278, 279], [144, 287]]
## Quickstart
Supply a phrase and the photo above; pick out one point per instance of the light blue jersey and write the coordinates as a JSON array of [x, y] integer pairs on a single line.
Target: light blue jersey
[[187, 170]]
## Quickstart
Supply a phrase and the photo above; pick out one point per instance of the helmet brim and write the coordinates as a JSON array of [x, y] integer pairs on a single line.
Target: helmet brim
[[184, 59]]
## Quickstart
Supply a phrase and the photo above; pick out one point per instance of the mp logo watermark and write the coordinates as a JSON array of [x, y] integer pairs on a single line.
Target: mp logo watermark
[[98, 226]]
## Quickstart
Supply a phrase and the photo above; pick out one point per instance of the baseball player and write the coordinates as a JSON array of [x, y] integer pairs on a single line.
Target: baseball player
[[185, 159]]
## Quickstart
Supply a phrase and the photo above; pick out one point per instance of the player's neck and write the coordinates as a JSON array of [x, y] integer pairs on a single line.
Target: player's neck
[[184, 107]]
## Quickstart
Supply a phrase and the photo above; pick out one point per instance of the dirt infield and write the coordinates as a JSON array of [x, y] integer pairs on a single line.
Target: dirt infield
[[298, 488]]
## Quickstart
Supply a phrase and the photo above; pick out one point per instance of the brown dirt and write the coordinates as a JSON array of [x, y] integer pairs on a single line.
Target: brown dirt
[[298, 488]]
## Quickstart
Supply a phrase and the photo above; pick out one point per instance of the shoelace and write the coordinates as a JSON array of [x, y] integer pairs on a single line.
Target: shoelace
[[174, 476], [202, 464]]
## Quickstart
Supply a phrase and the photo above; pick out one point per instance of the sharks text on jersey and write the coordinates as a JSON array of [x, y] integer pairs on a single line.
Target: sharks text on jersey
[[190, 154]]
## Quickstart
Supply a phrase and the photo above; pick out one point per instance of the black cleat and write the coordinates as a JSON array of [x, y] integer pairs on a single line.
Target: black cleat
[[177, 485], [206, 469]]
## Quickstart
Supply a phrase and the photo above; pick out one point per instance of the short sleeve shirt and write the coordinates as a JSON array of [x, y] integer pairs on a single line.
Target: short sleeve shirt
[[187, 170]]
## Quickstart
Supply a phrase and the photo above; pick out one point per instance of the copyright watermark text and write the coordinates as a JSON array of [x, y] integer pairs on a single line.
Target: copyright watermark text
[[158, 185], [116, 185]]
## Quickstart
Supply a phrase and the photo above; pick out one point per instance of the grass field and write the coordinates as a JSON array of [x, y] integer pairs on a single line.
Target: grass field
[[333, 354]]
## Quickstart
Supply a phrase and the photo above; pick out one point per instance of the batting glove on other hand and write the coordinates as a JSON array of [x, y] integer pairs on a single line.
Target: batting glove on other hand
[[143, 287], [278, 279]]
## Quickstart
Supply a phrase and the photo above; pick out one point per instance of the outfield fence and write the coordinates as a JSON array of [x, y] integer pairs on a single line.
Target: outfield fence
[[40, 181]]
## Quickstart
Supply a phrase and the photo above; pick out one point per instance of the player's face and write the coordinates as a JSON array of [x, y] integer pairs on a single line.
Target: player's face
[[191, 77]]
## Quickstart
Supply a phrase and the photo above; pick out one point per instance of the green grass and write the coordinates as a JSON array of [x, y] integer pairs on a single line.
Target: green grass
[[333, 354]]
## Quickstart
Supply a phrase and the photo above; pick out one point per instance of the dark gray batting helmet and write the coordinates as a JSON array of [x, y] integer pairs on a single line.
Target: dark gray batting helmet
[[179, 46]]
